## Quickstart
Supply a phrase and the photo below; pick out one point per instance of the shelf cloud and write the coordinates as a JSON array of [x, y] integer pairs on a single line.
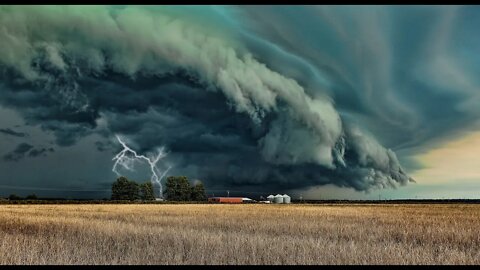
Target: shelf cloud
[[235, 99]]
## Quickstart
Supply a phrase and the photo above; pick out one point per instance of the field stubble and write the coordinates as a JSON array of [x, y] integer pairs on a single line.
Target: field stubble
[[240, 234]]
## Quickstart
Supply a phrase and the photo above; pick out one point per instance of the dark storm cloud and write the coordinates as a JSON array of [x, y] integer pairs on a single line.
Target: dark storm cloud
[[18, 153], [11, 132], [102, 146], [400, 72], [234, 106], [24, 149], [41, 151]]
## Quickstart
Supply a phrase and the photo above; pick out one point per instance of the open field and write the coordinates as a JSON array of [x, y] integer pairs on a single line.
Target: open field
[[240, 234]]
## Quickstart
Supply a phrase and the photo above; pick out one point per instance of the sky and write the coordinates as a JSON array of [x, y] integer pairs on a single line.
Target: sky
[[320, 102]]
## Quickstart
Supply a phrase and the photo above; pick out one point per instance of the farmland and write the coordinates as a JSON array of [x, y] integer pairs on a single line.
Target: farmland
[[240, 234]]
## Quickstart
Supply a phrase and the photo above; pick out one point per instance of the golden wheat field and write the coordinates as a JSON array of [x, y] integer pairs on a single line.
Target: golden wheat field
[[240, 234]]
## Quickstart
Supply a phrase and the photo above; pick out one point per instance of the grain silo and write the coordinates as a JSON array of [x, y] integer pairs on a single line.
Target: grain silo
[[271, 198], [278, 198], [286, 198]]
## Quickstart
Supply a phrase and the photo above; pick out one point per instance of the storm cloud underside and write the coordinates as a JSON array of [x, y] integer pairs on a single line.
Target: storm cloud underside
[[233, 106]]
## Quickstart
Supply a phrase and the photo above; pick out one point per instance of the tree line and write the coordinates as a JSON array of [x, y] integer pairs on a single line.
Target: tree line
[[177, 188], [14, 197]]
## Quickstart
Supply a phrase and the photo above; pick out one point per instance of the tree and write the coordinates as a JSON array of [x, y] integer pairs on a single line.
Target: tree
[[32, 197], [133, 191], [146, 190], [124, 189], [14, 197], [120, 189], [198, 192], [177, 188]]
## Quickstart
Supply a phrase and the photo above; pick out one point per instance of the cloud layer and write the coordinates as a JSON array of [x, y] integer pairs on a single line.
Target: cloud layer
[[234, 106], [8, 131]]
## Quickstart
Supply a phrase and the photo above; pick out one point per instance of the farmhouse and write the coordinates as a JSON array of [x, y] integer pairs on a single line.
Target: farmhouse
[[229, 200]]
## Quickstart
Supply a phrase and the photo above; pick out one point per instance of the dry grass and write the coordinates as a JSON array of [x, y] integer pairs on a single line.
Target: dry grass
[[240, 234]]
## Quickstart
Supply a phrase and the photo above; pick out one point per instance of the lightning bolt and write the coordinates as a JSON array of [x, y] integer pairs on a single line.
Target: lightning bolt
[[127, 162]]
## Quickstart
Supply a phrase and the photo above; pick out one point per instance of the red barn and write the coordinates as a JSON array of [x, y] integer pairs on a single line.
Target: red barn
[[226, 199]]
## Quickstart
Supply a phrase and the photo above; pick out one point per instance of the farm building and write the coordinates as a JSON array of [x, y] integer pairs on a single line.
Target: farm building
[[279, 198], [229, 200], [226, 199], [270, 199]]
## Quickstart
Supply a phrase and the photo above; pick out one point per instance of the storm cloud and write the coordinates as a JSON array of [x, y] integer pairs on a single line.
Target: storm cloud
[[18, 153], [8, 131], [40, 152], [23, 150], [234, 106]]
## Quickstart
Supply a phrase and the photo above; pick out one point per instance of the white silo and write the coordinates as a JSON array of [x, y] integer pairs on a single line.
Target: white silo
[[286, 198], [271, 198], [278, 198]]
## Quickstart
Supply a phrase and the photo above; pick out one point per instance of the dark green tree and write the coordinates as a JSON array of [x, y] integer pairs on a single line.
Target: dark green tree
[[124, 189], [146, 190], [198, 192], [120, 189], [14, 197], [134, 191], [31, 197], [177, 188]]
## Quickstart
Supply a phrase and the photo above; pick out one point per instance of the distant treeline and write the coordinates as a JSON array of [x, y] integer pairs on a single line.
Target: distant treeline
[[14, 197], [399, 201], [65, 201], [306, 202], [177, 189]]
